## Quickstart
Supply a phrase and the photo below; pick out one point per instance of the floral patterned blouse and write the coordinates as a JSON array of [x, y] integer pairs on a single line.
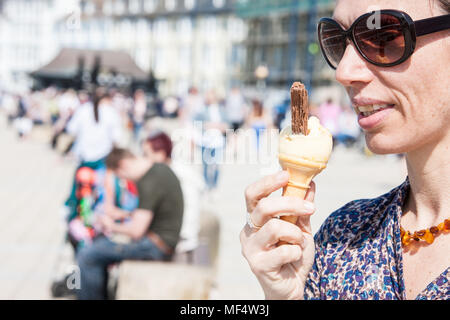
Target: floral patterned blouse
[[359, 253]]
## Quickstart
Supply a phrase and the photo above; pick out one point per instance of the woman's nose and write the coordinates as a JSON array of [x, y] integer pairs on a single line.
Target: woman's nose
[[352, 68]]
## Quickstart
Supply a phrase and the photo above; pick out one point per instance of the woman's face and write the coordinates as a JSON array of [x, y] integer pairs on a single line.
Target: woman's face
[[417, 91]]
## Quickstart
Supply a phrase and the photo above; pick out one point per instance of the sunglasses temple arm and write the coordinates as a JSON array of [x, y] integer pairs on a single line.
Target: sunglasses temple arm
[[431, 25]]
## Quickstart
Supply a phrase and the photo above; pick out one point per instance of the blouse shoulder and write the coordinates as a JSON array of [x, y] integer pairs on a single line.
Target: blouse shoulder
[[356, 217]]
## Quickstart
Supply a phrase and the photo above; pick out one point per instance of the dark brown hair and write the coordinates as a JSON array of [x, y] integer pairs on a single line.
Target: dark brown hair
[[98, 95], [161, 142], [115, 156]]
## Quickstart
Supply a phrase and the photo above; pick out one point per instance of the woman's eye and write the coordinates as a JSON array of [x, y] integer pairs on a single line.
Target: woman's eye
[[379, 38]]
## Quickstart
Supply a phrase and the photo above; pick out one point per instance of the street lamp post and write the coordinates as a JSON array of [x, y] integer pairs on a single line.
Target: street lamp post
[[292, 46], [311, 40], [261, 74]]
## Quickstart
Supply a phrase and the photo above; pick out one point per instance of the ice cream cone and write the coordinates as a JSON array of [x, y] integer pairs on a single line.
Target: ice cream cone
[[304, 147], [301, 172]]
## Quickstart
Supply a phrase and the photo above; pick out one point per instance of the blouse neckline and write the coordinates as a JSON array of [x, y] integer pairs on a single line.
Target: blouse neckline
[[399, 202]]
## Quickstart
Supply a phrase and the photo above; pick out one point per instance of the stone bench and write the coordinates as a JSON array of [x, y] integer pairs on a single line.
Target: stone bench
[[140, 280], [190, 276]]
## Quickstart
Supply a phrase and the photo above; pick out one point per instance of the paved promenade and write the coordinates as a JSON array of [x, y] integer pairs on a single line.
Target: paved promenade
[[34, 182]]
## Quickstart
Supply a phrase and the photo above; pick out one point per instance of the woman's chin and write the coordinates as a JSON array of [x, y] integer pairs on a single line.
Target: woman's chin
[[384, 145]]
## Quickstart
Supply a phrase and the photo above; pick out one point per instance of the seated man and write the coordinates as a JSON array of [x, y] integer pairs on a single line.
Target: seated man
[[158, 148], [152, 229]]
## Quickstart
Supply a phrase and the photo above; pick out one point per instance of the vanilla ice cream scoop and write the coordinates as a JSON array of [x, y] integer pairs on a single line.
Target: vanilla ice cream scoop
[[313, 148], [303, 157]]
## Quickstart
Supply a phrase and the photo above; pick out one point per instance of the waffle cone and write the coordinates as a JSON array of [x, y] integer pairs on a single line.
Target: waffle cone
[[301, 172]]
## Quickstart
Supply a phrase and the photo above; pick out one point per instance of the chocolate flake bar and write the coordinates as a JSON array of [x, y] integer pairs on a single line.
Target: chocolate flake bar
[[299, 109]]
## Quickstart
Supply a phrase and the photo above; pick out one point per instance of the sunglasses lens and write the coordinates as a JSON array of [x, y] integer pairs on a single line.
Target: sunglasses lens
[[380, 39], [332, 42]]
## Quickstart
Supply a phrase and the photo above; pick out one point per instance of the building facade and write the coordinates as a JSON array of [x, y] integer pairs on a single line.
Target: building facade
[[282, 37], [27, 38], [183, 42], [206, 43]]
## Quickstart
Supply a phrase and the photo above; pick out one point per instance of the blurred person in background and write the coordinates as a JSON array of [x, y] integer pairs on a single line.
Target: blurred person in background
[[96, 129], [139, 111], [51, 104], [349, 130], [329, 116], [212, 140], [21, 120], [258, 120], [16, 106], [9, 105], [158, 148], [123, 103], [280, 112], [151, 232], [23, 105], [83, 97], [170, 107], [37, 112], [191, 106], [313, 109], [67, 103], [235, 108]]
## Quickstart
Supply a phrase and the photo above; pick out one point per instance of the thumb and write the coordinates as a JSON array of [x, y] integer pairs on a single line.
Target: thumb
[[304, 222]]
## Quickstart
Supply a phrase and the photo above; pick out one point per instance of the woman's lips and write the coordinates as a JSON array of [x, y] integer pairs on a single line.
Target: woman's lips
[[369, 122]]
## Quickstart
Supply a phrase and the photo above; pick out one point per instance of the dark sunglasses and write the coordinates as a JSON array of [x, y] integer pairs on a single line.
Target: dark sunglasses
[[384, 38]]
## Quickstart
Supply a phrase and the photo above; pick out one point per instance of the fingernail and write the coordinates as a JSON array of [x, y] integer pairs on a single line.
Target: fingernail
[[309, 206]]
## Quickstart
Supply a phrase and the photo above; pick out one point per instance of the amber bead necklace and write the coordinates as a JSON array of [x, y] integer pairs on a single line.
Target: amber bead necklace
[[426, 235]]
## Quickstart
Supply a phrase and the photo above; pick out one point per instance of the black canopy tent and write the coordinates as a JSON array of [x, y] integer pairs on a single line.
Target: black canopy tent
[[76, 67]]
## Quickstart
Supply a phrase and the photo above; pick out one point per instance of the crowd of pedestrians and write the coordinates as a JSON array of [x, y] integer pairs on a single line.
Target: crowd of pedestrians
[[97, 120]]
